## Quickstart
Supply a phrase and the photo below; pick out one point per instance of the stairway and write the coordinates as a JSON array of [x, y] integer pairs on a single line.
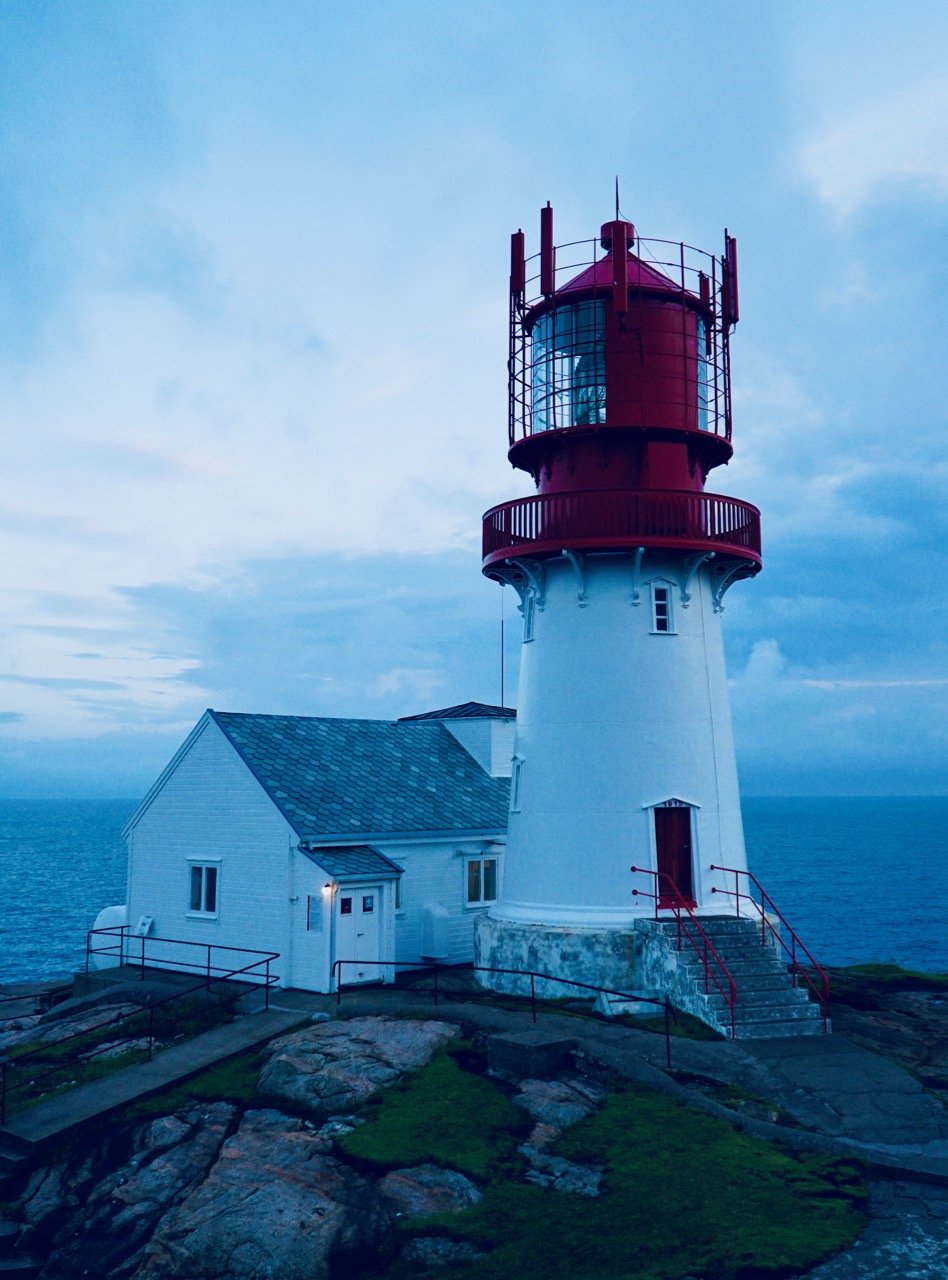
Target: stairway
[[768, 1005]]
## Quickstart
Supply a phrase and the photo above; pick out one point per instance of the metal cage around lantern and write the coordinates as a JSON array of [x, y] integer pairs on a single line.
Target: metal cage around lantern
[[563, 308]]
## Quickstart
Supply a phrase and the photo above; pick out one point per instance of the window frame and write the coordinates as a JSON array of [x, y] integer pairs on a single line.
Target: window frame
[[204, 865], [669, 628], [479, 861]]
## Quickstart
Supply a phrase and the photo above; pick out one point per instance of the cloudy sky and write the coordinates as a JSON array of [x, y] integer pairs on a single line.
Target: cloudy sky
[[253, 339]]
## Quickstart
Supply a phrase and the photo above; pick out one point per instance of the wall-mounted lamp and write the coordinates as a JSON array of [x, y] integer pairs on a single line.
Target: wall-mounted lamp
[[327, 889]]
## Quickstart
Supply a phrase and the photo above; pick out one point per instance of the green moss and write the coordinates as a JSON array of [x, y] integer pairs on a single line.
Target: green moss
[[683, 1193], [862, 986], [683, 1025], [444, 1115], [234, 1080]]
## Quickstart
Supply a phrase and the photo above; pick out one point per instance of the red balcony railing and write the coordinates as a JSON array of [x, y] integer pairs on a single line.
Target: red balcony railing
[[546, 524]]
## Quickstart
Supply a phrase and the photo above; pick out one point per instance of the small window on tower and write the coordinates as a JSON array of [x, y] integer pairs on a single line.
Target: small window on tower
[[529, 614], [516, 777], [661, 609]]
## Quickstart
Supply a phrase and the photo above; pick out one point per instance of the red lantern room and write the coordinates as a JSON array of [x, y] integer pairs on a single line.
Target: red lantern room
[[620, 400]]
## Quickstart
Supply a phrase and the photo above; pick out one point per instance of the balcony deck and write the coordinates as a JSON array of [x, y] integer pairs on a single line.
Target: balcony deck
[[621, 520]]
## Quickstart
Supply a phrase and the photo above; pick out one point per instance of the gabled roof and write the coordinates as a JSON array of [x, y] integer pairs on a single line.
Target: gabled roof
[[333, 779], [466, 711], [352, 862]]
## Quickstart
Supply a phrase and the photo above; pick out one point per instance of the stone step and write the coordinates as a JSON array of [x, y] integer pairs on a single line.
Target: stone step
[[777, 1030], [786, 997]]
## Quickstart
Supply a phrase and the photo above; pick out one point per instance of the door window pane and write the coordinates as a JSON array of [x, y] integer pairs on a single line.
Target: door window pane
[[368, 903], [345, 906]]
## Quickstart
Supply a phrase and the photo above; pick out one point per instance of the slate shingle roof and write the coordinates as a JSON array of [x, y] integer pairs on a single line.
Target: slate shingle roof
[[353, 861], [338, 778], [465, 711]]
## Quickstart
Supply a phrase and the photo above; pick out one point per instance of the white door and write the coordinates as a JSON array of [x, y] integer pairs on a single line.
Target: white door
[[359, 933]]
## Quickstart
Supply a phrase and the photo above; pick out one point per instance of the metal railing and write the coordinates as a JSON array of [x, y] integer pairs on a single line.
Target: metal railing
[[671, 266], [545, 523], [668, 897], [436, 968], [139, 1023], [132, 949], [769, 932]]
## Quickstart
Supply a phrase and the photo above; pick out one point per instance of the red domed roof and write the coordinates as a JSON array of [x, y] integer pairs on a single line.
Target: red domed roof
[[641, 276]]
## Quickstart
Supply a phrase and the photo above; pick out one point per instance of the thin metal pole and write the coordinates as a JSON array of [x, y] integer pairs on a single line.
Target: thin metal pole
[[88, 946], [151, 1030], [207, 979], [141, 971], [533, 996], [266, 998], [4, 1064], [436, 986]]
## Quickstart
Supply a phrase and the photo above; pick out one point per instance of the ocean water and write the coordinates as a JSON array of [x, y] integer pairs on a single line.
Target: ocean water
[[859, 879]]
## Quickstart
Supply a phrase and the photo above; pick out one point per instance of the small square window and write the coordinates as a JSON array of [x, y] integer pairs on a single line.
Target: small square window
[[345, 906], [202, 899]]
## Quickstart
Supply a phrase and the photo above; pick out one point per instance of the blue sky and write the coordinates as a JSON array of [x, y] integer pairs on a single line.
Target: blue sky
[[253, 345]]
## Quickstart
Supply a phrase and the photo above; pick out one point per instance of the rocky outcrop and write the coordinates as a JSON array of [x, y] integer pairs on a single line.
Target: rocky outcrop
[[427, 1189], [555, 1105], [274, 1204], [330, 1067], [92, 1214]]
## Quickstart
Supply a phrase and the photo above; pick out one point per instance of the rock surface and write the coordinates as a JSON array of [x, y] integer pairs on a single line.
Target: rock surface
[[330, 1067], [274, 1204], [426, 1189]]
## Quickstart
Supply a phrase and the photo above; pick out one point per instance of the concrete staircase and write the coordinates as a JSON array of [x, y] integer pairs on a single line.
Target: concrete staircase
[[768, 1005]]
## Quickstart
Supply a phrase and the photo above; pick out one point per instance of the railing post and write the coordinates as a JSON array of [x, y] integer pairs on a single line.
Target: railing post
[[436, 985], [88, 947], [737, 894], [4, 1065], [266, 998], [207, 979], [338, 967], [151, 1030], [141, 968], [533, 996]]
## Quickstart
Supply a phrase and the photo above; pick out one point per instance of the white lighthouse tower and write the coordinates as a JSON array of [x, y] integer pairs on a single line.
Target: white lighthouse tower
[[619, 409]]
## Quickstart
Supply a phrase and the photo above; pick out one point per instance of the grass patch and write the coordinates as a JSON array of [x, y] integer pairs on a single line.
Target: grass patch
[[443, 1115], [66, 1064], [683, 1193], [862, 985], [232, 1081]]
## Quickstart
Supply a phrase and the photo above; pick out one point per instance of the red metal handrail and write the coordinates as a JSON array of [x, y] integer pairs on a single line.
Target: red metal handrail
[[546, 523], [668, 897], [765, 905]]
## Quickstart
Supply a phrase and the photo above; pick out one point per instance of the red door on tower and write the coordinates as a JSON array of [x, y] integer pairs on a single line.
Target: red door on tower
[[673, 845]]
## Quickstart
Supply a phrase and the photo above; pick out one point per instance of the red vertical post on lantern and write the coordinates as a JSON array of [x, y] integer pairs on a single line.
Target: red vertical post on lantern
[[547, 252]]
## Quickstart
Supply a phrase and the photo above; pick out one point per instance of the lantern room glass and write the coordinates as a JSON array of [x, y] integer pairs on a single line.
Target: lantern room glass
[[568, 367]]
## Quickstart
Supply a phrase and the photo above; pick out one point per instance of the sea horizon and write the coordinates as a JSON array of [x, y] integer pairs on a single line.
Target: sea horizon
[[861, 878]]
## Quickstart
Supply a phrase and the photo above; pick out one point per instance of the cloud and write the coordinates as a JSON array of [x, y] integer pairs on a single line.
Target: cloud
[[897, 140], [10, 717]]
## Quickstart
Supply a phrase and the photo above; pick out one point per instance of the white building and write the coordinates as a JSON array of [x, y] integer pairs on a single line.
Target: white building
[[322, 840]]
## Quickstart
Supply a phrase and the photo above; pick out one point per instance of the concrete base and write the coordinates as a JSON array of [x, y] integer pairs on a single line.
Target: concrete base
[[611, 958], [522, 1055]]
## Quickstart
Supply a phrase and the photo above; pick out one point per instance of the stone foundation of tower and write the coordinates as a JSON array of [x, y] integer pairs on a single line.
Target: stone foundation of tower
[[613, 958]]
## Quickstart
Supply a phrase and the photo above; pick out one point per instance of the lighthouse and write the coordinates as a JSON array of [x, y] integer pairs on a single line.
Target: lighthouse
[[619, 410]]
